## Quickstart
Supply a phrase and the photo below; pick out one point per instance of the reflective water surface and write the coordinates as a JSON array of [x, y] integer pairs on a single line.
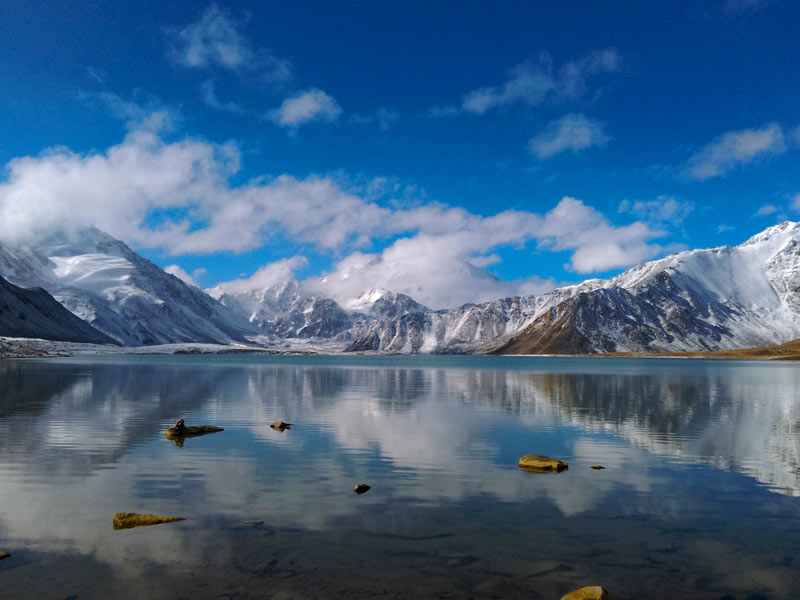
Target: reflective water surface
[[700, 497]]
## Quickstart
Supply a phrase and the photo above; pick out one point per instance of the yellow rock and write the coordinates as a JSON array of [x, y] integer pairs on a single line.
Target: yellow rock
[[281, 426], [4, 555], [130, 520], [542, 464], [361, 488], [592, 592]]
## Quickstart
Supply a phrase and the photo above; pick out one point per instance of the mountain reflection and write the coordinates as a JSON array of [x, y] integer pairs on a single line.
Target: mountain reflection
[[91, 414]]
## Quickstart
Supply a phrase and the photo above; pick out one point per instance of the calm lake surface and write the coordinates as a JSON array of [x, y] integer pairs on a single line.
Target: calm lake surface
[[700, 497]]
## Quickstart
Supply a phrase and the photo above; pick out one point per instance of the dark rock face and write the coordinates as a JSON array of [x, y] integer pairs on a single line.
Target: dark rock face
[[34, 313]]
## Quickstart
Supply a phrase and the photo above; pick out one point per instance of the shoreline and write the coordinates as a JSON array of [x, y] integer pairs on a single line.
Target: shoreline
[[11, 348]]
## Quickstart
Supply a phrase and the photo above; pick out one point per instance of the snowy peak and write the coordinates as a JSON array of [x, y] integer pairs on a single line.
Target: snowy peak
[[383, 304], [104, 282]]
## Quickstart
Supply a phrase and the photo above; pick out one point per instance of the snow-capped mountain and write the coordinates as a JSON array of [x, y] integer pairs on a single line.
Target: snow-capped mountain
[[118, 292], [287, 310], [34, 313], [726, 297]]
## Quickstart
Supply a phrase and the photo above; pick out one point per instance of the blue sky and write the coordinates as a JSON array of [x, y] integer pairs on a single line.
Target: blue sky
[[452, 150]]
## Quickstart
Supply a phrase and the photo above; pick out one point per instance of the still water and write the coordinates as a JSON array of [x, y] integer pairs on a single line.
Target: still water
[[700, 497]]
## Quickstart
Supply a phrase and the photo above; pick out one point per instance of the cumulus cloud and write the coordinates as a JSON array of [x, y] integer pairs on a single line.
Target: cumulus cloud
[[663, 211], [735, 149], [267, 276], [181, 274], [532, 82], [216, 42], [574, 132], [597, 245], [307, 106], [179, 197]]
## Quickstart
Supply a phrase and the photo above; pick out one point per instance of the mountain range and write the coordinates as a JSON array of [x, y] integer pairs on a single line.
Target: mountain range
[[719, 298]]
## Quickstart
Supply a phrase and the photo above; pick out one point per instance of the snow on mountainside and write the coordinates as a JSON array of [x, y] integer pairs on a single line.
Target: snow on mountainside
[[726, 297], [287, 310], [33, 313], [105, 283]]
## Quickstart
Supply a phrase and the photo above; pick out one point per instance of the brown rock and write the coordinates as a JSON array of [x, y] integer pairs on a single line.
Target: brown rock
[[592, 592], [180, 431], [130, 520], [536, 463], [598, 467], [4, 555], [281, 426], [361, 488]]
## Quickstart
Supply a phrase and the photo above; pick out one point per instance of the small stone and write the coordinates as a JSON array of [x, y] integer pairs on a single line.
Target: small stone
[[598, 467], [542, 464], [4, 555], [281, 426], [131, 520], [592, 592], [361, 488]]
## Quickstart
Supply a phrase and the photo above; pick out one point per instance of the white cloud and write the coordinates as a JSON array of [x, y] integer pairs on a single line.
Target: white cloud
[[211, 99], [178, 272], [310, 105], [178, 196], [767, 209], [383, 117], [596, 245], [532, 82], [796, 202], [267, 276], [664, 210], [735, 149], [573, 132], [151, 116], [739, 6], [215, 41]]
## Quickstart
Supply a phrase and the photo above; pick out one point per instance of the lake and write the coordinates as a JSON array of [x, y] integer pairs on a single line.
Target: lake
[[700, 497]]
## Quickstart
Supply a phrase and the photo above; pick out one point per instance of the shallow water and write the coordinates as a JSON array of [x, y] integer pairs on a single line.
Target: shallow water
[[699, 498]]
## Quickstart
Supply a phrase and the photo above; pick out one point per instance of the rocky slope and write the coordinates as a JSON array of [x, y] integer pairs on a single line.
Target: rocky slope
[[120, 293], [33, 313]]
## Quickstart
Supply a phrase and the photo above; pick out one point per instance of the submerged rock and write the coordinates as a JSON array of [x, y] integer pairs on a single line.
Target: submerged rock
[[361, 488], [597, 467], [542, 464], [4, 555], [131, 520], [181, 431], [281, 426], [592, 592]]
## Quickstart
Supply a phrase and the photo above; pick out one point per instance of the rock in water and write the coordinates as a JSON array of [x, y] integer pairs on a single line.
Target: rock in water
[[131, 520], [361, 488], [281, 426], [592, 592], [598, 467], [4, 555], [181, 431], [542, 464]]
